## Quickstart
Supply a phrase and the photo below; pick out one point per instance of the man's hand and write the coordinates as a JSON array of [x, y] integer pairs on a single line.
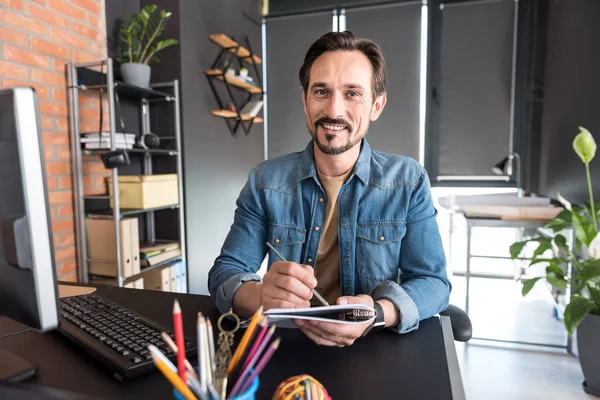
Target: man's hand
[[334, 334], [288, 285]]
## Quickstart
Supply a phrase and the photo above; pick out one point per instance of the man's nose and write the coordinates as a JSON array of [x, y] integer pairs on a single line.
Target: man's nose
[[335, 107]]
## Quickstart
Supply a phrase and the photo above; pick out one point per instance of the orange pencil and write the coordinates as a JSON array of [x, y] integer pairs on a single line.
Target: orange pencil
[[245, 339], [173, 378]]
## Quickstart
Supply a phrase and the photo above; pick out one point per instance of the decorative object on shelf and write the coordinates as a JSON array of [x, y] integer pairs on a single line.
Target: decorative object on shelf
[[149, 140], [583, 310], [139, 34], [233, 55]]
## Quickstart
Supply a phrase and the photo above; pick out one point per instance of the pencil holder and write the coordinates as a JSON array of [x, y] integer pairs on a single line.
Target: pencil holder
[[249, 394]]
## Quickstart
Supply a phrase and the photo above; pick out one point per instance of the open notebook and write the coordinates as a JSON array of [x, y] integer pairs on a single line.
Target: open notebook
[[341, 314]]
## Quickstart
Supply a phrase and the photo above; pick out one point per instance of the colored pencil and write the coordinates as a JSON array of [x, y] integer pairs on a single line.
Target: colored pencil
[[173, 378], [261, 364], [167, 339], [179, 340], [201, 327], [245, 339], [153, 349], [264, 323], [211, 346]]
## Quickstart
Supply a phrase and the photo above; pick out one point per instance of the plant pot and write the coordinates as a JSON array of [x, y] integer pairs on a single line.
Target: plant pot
[[589, 353], [136, 74]]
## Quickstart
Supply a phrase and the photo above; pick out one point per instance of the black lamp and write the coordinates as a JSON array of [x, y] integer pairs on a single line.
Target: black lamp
[[505, 167]]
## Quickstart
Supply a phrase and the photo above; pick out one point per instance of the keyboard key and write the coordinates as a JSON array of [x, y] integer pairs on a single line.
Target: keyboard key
[[125, 352], [137, 360]]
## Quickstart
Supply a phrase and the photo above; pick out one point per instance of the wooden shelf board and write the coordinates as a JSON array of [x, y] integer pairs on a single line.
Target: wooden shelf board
[[217, 73], [226, 42], [233, 114]]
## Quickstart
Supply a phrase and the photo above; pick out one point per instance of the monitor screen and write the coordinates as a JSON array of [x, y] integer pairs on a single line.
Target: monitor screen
[[28, 291]]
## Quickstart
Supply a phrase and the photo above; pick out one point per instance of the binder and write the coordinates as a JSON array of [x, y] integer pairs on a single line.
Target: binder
[[165, 274], [135, 245], [137, 284], [101, 246]]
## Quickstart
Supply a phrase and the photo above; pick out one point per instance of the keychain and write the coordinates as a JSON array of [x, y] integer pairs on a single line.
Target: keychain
[[223, 354]]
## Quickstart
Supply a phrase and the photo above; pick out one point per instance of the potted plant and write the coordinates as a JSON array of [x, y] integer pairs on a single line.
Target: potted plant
[[583, 311], [139, 35]]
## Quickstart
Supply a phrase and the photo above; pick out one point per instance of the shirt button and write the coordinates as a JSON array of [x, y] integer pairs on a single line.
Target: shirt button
[[344, 197], [348, 292], [309, 260], [346, 259], [321, 200], [316, 228], [277, 240], [381, 238], [344, 224]]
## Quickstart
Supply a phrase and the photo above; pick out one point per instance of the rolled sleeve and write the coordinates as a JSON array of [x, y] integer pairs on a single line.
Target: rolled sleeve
[[407, 309], [224, 294]]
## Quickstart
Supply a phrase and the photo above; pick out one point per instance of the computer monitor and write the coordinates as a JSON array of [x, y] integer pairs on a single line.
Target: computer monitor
[[28, 289]]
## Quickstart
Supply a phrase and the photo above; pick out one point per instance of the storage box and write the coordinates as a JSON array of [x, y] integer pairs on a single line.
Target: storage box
[[146, 191], [101, 245]]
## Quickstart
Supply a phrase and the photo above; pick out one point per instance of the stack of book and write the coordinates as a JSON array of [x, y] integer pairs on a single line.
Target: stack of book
[[93, 140], [152, 254]]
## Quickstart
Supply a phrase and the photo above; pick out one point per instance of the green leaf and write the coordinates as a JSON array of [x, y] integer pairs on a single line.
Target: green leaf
[[542, 248], [553, 268], [528, 285], [585, 145], [577, 244], [556, 280], [541, 260], [560, 222], [516, 248], [584, 229], [561, 242], [576, 311], [595, 295], [588, 270]]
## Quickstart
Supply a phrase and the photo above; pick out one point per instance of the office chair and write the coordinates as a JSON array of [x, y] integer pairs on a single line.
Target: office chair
[[461, 323]]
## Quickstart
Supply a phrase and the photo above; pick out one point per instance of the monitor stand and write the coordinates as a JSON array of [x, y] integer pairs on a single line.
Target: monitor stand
[[14, 368]]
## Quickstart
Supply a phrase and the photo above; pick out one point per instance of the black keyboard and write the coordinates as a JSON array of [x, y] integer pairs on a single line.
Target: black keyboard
[[116, 336]]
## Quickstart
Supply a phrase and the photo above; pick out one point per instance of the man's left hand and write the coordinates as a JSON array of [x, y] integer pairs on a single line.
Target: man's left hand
[[334, 334]]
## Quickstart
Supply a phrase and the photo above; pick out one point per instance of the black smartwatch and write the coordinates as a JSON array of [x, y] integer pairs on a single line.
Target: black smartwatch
[[379, 323]]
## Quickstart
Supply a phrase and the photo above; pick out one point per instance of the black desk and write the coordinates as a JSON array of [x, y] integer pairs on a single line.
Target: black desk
[[418, 365]]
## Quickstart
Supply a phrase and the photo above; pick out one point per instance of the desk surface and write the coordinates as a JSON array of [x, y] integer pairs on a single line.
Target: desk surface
[[417, 365]]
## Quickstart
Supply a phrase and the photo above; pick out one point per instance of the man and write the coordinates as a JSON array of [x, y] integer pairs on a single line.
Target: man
[[358, 225]]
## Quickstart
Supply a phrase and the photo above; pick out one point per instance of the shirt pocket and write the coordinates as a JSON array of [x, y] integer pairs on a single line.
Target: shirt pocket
[[288, 240], [378, 249]]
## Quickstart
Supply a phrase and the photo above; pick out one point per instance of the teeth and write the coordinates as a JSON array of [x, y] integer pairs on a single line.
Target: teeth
[[334, 127]]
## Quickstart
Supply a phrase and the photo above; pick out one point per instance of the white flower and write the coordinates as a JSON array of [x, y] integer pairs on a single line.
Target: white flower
[[594, 247]]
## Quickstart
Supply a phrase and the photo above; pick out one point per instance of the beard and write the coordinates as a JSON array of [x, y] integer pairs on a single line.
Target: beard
[[328, 148]]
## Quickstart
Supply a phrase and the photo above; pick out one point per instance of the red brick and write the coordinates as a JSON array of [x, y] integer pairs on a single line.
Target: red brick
[[83, 30], [101, 181], [16, 4], [50, 48], [13, 70], [61, 197], [65, 225], [89, 113], [12, 36], [49, 153], [53, 213], [97, 22], [84, 101], [81, 57], [58, 168], [47, 107], [67, 9], [71, 276], [57, 139], [97, 48], [66, 211], [42, 91], [59, 94], [93, 167], [89, 5], [67, 38], [48, 16], [65, 239], [51, 183], [22, 22], [49, 78], [89, 126], [65, 254], [65, 182], [42, 2], [54, 124], [64, 155], [25, 56], [67, 267], [94, 191]]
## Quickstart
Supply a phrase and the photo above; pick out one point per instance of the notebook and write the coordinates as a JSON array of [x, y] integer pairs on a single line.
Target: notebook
[[340, 314]]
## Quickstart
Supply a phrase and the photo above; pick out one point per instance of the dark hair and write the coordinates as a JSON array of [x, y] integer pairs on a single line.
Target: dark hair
[[346, 41]]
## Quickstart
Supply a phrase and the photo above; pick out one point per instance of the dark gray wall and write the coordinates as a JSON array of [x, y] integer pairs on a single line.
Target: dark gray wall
[[572, 87]]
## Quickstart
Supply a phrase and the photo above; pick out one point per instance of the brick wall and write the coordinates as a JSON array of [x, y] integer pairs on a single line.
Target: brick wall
[[37, 39]]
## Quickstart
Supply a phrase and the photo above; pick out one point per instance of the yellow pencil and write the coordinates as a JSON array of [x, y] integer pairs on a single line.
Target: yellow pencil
[[245, 339], [173, 378]]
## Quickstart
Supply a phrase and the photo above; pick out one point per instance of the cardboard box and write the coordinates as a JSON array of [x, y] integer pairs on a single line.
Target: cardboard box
[[146, 191], [159, 279], [101, 245]]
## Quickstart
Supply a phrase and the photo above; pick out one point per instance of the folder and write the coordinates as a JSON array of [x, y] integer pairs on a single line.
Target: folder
[[137, 284], [135, 246], [165, 274], [101, 246]]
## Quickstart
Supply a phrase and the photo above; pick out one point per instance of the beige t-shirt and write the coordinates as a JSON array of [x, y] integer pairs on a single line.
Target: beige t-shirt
[[327, 267]]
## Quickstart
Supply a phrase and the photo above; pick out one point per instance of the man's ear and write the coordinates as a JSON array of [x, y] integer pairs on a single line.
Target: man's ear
[[304, 101], [378, 106]]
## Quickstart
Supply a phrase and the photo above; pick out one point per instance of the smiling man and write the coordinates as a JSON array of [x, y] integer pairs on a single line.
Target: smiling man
[[356, 224]]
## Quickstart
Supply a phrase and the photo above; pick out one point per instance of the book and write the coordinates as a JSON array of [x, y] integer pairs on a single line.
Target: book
[[106, 145], [252, 108], [162, 257], [125, 136], [150, 247], [341, 314]]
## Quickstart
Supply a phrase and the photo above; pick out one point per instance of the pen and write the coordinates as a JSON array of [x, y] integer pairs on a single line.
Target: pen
[[321, 299]]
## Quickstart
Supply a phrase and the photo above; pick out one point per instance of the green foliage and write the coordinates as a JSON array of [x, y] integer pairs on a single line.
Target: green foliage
[[140, 32], [585, 279]]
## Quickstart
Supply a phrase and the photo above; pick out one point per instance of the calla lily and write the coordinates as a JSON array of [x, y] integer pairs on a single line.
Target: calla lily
[[585, 145], [594, 247]]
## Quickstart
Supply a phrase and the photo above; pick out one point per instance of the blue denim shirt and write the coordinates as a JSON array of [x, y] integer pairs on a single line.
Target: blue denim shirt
[[390, 246]]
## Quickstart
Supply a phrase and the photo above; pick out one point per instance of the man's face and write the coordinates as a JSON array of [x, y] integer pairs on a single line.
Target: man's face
[[339, 100]]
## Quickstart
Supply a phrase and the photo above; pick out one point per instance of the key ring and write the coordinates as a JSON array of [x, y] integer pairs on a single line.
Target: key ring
[[223, 316]]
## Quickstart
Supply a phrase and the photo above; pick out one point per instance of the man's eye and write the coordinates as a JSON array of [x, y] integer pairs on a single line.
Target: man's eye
[[320, 92], [353, 94]]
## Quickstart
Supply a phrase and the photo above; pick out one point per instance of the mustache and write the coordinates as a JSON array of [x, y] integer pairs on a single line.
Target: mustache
[[336, 121]]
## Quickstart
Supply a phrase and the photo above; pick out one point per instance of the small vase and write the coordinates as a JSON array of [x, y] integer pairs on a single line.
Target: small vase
[[136, 74], [589, 353]]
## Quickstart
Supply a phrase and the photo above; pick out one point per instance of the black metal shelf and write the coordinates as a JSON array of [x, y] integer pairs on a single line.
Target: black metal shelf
[[125, 212], [158, 152], [95, 80], [132, 278]]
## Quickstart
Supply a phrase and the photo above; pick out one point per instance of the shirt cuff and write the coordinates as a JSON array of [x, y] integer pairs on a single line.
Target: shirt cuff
[[407, 309], [225, 293]]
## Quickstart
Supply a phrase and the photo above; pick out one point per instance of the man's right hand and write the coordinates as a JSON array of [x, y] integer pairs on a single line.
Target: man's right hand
[[288, 285]]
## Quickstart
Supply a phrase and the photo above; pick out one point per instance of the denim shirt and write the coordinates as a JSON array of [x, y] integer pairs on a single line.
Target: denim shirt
[[390, 246]]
